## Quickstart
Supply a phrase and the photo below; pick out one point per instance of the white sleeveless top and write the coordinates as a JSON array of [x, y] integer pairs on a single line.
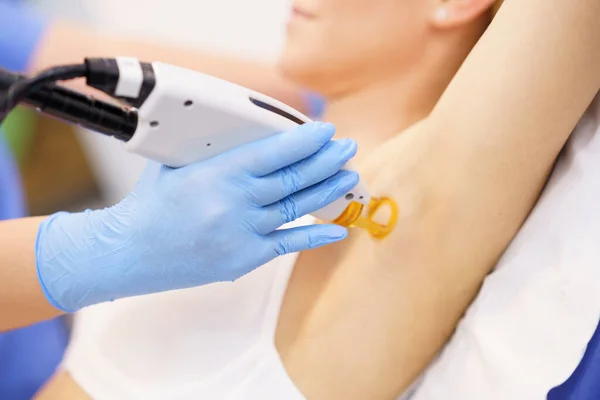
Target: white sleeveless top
[[212, 342]]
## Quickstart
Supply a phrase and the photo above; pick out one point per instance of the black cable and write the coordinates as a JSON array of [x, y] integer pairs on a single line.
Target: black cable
[[22, 88], [78, 108], [8, 78]]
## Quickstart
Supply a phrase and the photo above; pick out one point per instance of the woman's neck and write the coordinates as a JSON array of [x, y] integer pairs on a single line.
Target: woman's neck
[[382, 109]]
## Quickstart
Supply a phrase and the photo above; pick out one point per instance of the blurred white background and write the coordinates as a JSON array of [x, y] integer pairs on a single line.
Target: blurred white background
[[252, 28]]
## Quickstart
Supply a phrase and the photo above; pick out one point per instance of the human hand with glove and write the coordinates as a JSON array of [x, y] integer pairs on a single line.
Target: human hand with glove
[[212, 221]]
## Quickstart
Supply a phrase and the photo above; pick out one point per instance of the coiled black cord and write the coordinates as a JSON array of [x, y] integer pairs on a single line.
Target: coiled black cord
[[19, 90]]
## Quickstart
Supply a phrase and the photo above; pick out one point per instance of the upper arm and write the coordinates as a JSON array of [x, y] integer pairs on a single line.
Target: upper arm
[[511, 107], [466, 179]]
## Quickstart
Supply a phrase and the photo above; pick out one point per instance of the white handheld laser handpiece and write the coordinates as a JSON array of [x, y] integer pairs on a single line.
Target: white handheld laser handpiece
[[189, 117], [178, 117]]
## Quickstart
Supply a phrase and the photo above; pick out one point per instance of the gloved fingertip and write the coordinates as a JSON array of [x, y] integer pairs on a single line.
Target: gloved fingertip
[[327, 234], [352, 148], [348, 150], [347, 179], [324, 131], [347, 143], [329, 190], [336, 232]]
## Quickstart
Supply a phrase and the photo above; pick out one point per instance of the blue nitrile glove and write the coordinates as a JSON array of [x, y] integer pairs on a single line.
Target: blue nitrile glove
[[212, 221], [20, 31]]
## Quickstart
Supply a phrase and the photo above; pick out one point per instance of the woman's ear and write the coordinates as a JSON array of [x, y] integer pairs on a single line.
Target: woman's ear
[[452, 13]]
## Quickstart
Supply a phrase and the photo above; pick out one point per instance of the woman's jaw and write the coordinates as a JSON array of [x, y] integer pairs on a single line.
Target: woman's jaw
[[374, 88], [372, 106]]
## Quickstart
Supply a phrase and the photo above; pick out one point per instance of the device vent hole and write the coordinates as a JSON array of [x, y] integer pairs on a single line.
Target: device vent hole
[[361, 197], [350, 196], [188, 103], [154, 124], [208, 144]]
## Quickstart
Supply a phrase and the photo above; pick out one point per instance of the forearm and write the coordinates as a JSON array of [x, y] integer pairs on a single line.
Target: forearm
[[466, 179], [65, 42], [22, 301]]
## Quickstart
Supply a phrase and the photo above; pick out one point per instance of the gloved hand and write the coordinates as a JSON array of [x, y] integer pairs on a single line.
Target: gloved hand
[[212, 221]]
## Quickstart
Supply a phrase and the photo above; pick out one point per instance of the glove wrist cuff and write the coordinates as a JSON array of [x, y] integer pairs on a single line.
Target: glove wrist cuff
[[41, 264], [71, 257]]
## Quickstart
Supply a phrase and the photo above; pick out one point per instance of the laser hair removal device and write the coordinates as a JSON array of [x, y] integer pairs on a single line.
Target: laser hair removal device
[[179, 116]]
